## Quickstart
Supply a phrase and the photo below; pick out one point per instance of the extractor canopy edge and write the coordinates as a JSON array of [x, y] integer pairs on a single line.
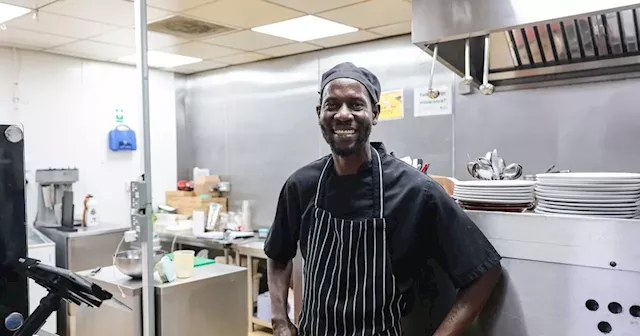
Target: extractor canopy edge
[[531, 43]]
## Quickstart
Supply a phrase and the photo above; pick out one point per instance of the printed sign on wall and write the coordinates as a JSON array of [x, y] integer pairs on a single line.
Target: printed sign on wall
[[391, 105], [424, 106], [119, 115]]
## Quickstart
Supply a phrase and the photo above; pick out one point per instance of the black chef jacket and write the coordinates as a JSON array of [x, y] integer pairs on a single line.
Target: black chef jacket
[[423, 222]]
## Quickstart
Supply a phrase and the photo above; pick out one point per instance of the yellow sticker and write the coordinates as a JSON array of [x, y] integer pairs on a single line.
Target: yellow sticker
[[391, 105]]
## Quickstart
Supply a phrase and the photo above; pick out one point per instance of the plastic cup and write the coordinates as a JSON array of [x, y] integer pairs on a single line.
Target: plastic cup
[[183, 262]]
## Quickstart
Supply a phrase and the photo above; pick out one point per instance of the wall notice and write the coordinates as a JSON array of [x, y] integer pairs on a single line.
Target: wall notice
[[119, 113], [391, 105], [424, 106]]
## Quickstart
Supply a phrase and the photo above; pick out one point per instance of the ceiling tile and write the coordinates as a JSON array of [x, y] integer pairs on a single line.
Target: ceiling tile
[[359, 36], [244, 13], [197, 67], [177, 5], [93, 50], [200, 50], [378, 13], [248, 40], [60, 25], [242, 58], [393, 29], [290, 49], [127, 37], [314, 6], [33, 4], [115, 12], [15, 36]]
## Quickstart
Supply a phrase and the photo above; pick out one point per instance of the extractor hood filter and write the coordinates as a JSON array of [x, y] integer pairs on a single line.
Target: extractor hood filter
[[583, 39], [577, 48]]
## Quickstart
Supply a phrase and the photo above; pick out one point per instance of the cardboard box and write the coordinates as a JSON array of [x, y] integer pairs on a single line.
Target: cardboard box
[[205, 184], [185, 205], [177, 193]]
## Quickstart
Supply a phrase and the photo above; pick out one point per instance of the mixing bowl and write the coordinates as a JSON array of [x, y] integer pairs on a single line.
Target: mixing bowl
[[130, 262]]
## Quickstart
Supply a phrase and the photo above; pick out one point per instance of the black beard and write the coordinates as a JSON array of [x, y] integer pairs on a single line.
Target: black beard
[[361, 141]]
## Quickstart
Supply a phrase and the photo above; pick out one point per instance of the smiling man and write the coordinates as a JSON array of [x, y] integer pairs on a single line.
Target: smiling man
[[366, 223]]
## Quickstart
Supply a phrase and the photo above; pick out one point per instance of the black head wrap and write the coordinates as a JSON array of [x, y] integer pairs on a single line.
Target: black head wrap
[[362, 75]]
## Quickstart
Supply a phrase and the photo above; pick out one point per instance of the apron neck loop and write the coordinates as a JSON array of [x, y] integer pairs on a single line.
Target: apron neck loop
[[376, 177]]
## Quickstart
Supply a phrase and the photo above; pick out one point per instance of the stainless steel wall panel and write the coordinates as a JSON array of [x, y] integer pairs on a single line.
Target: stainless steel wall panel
[[587, 127], [256, 124], [184, 141]]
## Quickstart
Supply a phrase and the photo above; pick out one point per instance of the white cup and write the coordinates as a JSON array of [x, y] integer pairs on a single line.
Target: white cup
[[183, 262]]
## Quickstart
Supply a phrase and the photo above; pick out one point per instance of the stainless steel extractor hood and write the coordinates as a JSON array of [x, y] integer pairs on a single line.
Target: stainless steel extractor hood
[[533, 43]]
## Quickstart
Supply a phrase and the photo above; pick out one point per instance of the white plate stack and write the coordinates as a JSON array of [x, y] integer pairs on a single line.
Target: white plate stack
[[502, 195], [611, 195]]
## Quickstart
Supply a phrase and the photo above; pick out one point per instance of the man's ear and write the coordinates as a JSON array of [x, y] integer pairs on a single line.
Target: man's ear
[[376, 113], [318, 111]]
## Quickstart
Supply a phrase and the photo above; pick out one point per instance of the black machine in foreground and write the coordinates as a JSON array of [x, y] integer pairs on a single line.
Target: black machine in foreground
[[15, 267], [62, 284]]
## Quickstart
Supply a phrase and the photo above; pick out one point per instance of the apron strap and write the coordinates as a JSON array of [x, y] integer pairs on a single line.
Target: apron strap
[[320, 180], [380, 188]]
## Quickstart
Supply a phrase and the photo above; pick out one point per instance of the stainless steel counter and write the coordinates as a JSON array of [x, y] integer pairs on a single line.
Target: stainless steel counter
[[213, 299], [192, 240], [573, 240], [88, 231], [87, 248]]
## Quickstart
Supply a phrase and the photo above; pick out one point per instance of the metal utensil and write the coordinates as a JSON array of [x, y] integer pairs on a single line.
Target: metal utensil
[[501, 166], [494, 165], [483, 169], [471, 169], [467, 79], [130, 262], [486, 87], [431, 92], [512, 171]]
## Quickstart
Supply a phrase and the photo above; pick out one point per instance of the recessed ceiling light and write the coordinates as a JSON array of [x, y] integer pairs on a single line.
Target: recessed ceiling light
[[10, 12], [158, 59], [305, 28]]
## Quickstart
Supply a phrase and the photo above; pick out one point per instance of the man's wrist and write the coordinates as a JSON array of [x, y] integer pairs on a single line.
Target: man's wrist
[[280, 320]]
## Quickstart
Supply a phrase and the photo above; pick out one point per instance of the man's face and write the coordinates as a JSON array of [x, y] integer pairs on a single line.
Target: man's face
[[346, 116]]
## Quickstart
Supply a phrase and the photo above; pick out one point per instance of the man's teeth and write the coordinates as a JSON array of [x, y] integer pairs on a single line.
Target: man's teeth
[[345, 131]]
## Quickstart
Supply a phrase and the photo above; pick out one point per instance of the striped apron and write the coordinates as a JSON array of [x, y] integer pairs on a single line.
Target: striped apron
[[349, 287]]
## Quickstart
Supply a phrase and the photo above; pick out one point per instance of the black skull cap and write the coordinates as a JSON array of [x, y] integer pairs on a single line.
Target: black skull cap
[[362, 75]]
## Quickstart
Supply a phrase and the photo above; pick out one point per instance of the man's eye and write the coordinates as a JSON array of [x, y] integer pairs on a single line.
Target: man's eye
[[358, 107]]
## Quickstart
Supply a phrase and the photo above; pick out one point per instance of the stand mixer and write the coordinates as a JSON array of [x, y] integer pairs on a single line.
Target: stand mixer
[[55, 197]]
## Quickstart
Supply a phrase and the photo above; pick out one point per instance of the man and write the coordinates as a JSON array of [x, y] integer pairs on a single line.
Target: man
[[366, 224]]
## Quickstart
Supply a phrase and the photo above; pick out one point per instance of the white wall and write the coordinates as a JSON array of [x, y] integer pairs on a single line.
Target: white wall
[[67, 107]]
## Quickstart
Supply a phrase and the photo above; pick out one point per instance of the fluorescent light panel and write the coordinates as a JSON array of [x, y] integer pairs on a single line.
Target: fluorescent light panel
[[10, 12], [305, 28], [159, 59]]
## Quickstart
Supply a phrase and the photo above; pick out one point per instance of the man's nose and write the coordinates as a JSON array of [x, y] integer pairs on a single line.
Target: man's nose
[[344, 113]]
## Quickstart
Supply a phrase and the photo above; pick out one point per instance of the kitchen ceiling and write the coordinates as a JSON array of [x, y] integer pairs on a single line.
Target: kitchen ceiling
[[104, 29]]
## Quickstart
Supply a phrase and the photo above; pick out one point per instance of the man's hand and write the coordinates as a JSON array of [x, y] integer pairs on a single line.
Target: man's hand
[[284, 328]]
